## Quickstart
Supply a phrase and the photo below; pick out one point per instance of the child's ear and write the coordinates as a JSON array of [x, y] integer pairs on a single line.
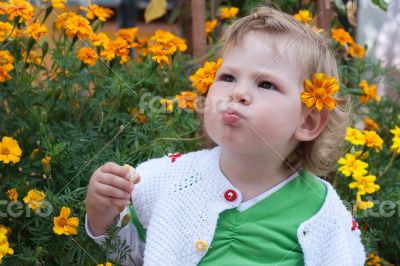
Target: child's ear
[[314, 122]]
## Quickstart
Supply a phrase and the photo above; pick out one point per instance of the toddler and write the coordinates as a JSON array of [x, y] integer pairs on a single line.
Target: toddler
[[255, 198]]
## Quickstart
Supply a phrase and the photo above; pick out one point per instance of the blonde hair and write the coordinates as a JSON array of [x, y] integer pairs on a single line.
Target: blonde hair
[[320, 155]]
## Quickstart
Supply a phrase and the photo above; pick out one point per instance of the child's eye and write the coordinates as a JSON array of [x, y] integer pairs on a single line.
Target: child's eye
[[227, 78], [267, 85]]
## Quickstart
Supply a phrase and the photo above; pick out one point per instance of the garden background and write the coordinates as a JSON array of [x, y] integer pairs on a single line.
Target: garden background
[[76, 93]]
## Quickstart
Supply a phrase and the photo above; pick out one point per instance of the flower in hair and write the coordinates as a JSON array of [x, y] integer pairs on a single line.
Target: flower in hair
[[319, 91]]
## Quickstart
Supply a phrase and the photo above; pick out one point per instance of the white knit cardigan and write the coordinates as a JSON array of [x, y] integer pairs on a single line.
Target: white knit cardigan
[[179, 202]]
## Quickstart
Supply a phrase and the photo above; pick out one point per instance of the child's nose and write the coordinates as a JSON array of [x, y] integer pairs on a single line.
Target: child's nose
[[240, 95]]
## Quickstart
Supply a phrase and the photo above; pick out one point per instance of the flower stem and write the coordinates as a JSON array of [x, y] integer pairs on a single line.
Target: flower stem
[[389, 164]]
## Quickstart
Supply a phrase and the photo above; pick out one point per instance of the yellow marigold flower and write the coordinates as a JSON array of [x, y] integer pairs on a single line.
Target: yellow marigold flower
[[365, 184], [63, 224], [36, 30], [362, 156], [4, 72], [19, 8], [4, 245], [88, 56], [352, 166], [373, 259], [107, 264], [95, 11], [78, 25], [396, 145], [210, 26], [369, 91], [168, 105], [342, 36], [5, 230], [5, 31], [58, 3], [228, 12], [363, 205], [395, 131], [356, 50], [9, 150], [303, 16], [319, 92], [159, 55], [373, 140], [187, 100], [370, 124], [100, 39], [46, 160], [34, 199], [204, 77], [128, 34], [354, 136], [12, 194]]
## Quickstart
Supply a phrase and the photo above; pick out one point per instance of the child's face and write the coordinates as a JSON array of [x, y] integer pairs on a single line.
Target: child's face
[[264, 87]]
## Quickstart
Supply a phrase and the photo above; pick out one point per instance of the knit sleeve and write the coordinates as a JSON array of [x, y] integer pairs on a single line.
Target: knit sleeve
[[357, 246], [155, 177]]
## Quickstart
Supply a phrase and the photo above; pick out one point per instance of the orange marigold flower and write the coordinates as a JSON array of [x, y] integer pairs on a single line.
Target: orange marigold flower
[[341, 36], [88, 56], [369, 91], [58, 3], [304, 16], [370, 124], [187, 100], [128, 34], [356, 50], [46, 160], [5, 31], [319, 92], [159, 55], [204, 77], [228, 12], [78, 25], [118, 47], [210, 25], [373, 140], [9, 150], [100, 39], [62, 19], [3, 8], [64, 224], [36, 30], [12, 194], [19, 8], [95, 11]]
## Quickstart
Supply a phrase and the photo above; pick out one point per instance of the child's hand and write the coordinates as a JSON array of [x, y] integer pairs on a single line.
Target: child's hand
[[110, 186]]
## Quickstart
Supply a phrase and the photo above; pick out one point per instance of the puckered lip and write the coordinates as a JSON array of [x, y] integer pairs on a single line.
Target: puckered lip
[[233, 111]]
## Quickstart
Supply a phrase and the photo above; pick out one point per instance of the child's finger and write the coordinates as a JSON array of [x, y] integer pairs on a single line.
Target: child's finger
[[115, 181], [110, 191], [115, 169]]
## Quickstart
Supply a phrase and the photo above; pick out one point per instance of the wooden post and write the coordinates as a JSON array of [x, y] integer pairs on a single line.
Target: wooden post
[[325, 14], [198, 27]]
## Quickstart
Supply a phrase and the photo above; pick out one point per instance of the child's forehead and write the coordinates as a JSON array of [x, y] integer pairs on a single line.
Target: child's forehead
[[277, 50]]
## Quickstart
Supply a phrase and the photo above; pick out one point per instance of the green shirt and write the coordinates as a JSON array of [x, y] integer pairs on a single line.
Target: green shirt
[[266, 233]]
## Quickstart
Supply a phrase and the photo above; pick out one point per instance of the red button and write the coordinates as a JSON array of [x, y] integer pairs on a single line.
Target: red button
[[230, 195]]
